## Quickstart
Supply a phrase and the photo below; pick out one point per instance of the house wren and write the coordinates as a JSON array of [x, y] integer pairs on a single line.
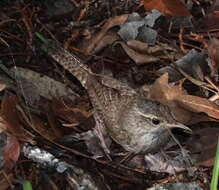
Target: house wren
[[139, 125]]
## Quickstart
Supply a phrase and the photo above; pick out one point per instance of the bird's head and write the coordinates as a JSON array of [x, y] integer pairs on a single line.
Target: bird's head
[[156, 115]]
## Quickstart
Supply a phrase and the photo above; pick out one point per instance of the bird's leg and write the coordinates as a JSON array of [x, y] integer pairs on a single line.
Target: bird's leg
[[101, 133], [127, 157]]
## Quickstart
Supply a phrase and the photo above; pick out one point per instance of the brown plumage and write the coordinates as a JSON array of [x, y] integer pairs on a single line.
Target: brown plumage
[[139, 125]]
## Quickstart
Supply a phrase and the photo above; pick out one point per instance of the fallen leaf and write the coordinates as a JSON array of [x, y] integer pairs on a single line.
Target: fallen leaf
[[213, 51], [105, 41], [139, 46], [137, 57], [73, 114], [35, 85], [38, 125], [165, 94], [143, 47], [211, 21], [13, 119], [204, 150], [198, 69], [138, 28], [11, 152], [42, 128], [2, 86], [54, 123], [198, 104], [4, 185], [150, 53], [3, 126], [185, 107], [115, 21], [167, 7]]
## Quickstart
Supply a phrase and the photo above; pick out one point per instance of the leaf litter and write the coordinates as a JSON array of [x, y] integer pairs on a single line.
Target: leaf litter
[[39, 110]]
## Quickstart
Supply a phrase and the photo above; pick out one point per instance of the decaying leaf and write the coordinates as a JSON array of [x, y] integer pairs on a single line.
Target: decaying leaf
[[143, 47], [202, 149], [53, 122], [158, 162], [167, 7], [13, 119], [2, 86], [35, 85], [42, 128], [139, 28], [11, 152], [197, 69], [184, 106], [141, 53], [138, 58], [3, 126], [105, 41], [213, 52], [74, 115], [115, 21], [4, 185], [211, 21]]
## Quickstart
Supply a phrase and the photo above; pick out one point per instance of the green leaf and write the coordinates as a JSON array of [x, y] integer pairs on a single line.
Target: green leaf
[[26, 185], [41, 37]]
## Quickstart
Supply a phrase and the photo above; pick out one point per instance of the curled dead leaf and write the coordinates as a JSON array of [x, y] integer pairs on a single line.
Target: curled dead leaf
[[184, 106], [137, 57], [115, 21], [167, 7]]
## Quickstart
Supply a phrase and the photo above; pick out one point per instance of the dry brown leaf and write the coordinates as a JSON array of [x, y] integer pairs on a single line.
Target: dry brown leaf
[[11, 152], [213, 52], [211, 21], [198, 104], [139, 46], [39, 126], [209, 139], [54, 124], [2, 86], [105, 41], [115, 21], [206, 149], [143, 47], [3, 123], [184, 106], [10, 115], [4, 185], [74, 115], [165, 94], [138, 58], [167, 7], [13, 119], [53, 121]]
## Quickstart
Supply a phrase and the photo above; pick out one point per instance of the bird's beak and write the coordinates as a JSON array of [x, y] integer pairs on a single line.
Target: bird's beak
[[181, 126]]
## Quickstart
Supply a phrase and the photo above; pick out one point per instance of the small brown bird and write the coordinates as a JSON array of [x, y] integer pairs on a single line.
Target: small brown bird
[[139, 125]]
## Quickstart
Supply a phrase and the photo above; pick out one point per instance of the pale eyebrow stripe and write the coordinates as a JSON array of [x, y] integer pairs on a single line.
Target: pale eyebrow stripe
[[147, 115]]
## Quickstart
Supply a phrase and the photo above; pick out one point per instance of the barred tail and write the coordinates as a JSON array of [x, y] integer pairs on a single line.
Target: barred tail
[[70, 62]]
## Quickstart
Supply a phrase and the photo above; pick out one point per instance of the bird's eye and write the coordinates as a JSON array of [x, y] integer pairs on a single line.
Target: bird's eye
[[155, 121]]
